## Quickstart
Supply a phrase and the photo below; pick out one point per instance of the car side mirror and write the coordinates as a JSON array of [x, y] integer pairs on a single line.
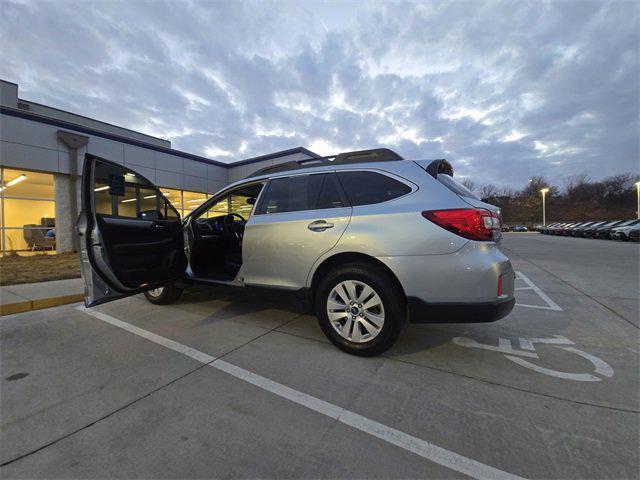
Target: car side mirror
[[151, 215]]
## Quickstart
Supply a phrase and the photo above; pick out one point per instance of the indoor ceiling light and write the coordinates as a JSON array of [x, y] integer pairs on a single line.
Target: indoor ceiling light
[[18, 179], [99, 189], [128, 200], [150, 196]]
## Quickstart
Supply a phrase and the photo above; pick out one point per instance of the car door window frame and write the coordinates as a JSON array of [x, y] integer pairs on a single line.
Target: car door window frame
[[150, 185], [202, 209], [265, 192]]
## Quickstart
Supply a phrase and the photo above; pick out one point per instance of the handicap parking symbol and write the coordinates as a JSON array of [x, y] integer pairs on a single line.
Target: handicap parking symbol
[[528, 350]]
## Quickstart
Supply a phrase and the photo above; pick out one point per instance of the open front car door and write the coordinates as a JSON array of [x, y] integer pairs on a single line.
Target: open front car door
[[129, 236]]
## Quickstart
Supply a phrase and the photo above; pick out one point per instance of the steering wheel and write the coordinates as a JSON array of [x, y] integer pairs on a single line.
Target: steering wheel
[[234, 227]]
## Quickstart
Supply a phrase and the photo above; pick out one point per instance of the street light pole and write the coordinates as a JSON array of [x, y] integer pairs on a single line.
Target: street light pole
[[544, 213], [638, 193]]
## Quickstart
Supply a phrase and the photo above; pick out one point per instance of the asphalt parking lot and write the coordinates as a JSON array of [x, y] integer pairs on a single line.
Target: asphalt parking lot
[[235, 386]]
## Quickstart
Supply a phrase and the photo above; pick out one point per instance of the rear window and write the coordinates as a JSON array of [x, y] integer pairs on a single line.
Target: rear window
[[456, 187], [366, 188]]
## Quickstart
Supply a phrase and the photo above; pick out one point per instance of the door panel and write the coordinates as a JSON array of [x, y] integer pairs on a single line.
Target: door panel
[[298, 219], [130, 236], [141, 250], [279, 249]]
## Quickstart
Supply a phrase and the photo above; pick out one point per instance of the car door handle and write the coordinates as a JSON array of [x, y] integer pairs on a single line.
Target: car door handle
[[158, 226], [319, 226]]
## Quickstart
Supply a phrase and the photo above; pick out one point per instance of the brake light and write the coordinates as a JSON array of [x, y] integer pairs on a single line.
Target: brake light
[[500, 286], [471, 223]]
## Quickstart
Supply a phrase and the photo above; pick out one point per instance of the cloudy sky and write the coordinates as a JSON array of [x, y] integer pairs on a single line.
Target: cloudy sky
[[503, 90]]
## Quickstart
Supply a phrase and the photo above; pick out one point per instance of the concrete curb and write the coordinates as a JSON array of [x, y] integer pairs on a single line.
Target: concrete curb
[[29, 305]]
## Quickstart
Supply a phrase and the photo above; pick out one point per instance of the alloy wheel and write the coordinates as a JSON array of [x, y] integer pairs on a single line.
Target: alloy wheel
[[156, 292], [355, 311]]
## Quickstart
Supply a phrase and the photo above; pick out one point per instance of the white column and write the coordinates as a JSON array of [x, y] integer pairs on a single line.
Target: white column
[[64, 223]]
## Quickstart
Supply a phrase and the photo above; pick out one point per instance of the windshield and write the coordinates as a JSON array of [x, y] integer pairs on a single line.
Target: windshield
[[456, 187]]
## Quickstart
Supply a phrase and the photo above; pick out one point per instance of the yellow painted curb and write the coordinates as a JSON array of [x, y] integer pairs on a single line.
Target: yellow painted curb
[[30, 305]]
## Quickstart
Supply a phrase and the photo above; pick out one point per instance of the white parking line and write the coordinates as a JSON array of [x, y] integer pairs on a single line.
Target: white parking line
[[420, 447], [551, 305]]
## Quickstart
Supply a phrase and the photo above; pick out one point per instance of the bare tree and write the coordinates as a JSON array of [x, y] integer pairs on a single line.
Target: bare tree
[[533, 187], [470, 184], [575, 186], [489, 192]]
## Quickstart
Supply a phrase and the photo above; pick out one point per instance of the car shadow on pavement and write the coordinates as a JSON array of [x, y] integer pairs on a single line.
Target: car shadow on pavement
[[260, 309], [421, 338], [230, 304]]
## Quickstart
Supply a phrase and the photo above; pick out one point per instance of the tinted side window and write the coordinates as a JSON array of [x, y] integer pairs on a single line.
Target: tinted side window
[[291, 194], [365, 188], [330, 194]]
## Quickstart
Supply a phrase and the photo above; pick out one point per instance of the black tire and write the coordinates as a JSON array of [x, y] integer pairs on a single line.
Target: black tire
[[168, 294], [393, 301]]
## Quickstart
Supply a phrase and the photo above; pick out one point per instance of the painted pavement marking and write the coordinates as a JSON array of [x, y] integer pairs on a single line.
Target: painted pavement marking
[[422, 448]]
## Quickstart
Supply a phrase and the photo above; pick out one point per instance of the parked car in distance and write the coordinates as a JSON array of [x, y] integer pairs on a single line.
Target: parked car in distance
[[536, 227], [594, 231], [549, 229], [545, 228], [505, 228], [575, 229], [369, 239], [634, 234], [625, 233], [557, 228], [565, 228], [606, 231], [587, 229], [520, 228]]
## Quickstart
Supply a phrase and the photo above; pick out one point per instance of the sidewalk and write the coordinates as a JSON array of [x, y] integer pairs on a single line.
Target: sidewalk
[[35, 296]]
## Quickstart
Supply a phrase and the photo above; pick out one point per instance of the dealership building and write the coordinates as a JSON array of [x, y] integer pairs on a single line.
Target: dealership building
[[41, 156]]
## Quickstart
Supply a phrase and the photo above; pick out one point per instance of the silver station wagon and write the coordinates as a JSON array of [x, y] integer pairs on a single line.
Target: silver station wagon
[[367, 239]]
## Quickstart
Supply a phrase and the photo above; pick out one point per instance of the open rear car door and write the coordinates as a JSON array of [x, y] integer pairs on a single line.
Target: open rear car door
[[130, 237]]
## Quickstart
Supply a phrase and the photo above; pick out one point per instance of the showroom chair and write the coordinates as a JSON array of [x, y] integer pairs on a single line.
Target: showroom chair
[[36, 239]]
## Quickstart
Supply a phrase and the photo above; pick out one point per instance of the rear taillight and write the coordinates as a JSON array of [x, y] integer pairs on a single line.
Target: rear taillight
[[471, 223], [500, 286]]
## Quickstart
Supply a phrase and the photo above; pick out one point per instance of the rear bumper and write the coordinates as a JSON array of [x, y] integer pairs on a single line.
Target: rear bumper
[[485, 312], [468, 276]]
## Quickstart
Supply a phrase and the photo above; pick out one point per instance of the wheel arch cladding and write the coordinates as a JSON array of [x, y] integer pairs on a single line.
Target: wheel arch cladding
[[345, 258]]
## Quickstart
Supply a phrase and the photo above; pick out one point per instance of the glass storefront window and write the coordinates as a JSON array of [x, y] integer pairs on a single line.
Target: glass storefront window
[[148, 200], [27, 216], [221, 207], [35, 213], [28, 221], [241, 205], [26, 184], [175, 197], [192, 200]]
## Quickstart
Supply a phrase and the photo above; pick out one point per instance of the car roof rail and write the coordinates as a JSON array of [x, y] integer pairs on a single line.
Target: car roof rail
[[360, 156]]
